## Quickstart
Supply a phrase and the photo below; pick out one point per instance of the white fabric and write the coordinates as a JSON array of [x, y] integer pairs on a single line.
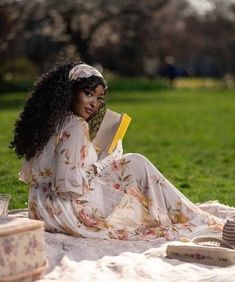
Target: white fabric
[[109, 159], [133, 265], [149, 266], [88, 260]]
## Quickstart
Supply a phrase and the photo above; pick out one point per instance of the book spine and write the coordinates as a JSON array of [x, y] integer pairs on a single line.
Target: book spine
[[120, 132]]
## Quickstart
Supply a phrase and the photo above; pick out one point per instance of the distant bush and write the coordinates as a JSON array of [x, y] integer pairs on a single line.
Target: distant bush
[[136, 84], [17, 75], [205, 83], [15, 86], [19, 69]]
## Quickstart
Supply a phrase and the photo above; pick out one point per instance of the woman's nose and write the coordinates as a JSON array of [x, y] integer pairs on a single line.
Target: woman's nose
[[93, 101]]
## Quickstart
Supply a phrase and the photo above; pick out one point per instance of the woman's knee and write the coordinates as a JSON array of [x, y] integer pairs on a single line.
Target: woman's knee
[[136, 158]]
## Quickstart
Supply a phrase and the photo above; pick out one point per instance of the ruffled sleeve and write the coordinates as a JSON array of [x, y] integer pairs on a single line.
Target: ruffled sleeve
[[25, 174], [70, 158]]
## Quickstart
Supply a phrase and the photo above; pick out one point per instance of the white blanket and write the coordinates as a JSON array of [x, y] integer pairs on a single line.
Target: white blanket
[[75, 259]]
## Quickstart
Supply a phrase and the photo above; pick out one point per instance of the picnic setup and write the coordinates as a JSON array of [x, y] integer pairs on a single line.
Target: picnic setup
[[28, 253], [117, 141]]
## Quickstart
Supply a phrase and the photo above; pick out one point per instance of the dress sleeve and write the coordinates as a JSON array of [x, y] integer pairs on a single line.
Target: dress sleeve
[[71, 153], [25, 174]]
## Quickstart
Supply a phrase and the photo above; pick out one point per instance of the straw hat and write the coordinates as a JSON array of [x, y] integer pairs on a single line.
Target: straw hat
[[214, 248], [226, 239], [229, 232]]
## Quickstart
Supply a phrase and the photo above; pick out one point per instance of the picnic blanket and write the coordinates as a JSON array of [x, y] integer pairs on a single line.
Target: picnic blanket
[[80, 259]]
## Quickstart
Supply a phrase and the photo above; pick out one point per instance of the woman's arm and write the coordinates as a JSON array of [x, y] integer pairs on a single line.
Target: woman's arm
[[71, 172]]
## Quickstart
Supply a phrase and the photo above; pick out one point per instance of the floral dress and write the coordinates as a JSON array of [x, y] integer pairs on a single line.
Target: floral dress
[[129, 200]]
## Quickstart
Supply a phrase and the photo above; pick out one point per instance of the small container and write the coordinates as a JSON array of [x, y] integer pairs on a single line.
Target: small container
[[22, 254], [4, 203]]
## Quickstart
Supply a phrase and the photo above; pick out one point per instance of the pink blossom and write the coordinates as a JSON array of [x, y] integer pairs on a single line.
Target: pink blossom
[[116, 166], [116, 186], [44, 189], [149, 233], [122, 234], [83, 153], [87, 219], [65, 136], [135, 193]]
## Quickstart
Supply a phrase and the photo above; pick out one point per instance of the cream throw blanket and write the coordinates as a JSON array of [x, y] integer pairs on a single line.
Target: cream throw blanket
[[72, 259]]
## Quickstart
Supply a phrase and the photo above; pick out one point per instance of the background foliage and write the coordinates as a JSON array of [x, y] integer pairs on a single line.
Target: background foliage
[[122, 36]]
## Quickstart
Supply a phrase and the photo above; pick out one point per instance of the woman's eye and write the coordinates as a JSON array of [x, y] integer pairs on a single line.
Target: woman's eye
[[101, 100], [88, 94]]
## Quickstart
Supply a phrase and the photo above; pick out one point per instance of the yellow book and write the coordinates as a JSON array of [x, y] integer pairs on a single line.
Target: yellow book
[[112, 128]]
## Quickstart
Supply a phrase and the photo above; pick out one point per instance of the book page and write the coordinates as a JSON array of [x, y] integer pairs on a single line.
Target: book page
[[113, 127], [107, 130]]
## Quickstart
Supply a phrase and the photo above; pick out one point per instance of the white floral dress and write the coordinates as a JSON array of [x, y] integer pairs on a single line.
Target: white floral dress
[[129, 200]]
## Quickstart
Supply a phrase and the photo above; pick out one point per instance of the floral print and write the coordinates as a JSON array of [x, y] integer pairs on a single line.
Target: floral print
[[27, 245], [129, 200]]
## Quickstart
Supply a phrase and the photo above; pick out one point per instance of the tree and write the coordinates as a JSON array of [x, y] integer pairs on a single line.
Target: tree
[[51, 27], [122, 35]]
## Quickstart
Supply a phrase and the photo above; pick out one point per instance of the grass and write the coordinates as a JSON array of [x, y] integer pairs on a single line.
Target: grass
[[188, 134]]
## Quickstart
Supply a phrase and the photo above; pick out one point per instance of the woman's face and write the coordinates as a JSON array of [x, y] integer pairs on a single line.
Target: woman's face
[[87, 102]]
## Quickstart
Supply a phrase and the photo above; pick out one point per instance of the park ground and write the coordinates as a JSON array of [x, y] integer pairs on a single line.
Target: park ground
[[187, 132]]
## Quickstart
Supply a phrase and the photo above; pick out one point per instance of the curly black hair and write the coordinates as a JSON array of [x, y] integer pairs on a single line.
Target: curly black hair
[[49, 102]]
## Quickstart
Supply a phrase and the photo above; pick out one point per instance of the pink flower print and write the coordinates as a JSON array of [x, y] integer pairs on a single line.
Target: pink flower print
[[135, 193], [188, 225], [49, 209], [12, 266], [46, 172], [78, 201], [30, 249], [138, 195], [121, 234], [149, 233], [116, 166], [65, 136], [44, 189], [33, 243], [7, 246], [2, 261], [117, 186], [83, 153], [85, 187], [88, 220], [179, 217], [157, 179]]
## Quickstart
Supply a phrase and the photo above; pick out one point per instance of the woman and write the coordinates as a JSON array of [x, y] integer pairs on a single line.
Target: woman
[[71, 190]]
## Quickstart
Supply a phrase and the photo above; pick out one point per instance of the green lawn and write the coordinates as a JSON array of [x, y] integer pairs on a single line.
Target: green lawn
[[188, 134]]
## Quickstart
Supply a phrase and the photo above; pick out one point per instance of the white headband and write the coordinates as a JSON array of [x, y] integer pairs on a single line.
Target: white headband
[[83, 70]]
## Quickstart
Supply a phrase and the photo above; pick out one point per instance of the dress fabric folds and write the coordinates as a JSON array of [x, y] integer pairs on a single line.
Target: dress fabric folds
[[128, 200]]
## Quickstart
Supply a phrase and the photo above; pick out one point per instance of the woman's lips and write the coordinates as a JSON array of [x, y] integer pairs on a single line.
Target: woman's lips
[[89, 111]]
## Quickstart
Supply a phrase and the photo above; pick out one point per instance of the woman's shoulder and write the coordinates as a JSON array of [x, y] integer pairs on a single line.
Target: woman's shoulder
[[72, 121]]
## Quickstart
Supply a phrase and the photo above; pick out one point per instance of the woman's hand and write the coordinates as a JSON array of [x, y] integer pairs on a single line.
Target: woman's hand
[[118, 151], [102, 163]]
